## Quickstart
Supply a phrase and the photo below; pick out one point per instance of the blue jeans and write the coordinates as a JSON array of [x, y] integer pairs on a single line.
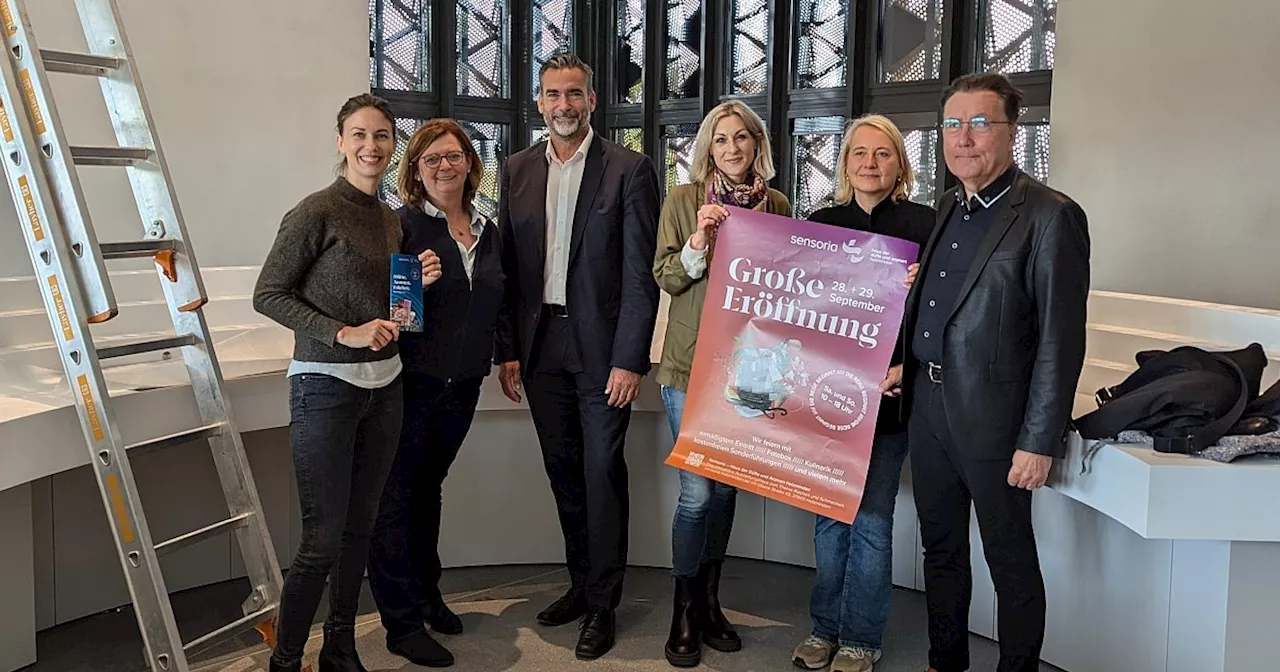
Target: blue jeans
[[344, 441], [704, 513], [854, 580]]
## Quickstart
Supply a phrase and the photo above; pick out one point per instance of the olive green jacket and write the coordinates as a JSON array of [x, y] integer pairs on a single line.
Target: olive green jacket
[[676, 225]]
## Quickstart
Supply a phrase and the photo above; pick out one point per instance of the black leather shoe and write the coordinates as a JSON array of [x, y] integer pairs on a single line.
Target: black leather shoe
[[422, 649], [598, 633], [442, 619], [570, 607], [273, 666], [339, 652], [717, 631], [683, 648]]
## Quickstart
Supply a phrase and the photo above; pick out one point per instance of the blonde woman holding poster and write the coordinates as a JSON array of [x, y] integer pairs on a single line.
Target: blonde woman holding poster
[[732, 165], [853, 583]]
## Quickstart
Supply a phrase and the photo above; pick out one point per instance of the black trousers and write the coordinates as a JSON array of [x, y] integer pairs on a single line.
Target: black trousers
[[404, 560], [582, 449], [344, 443], [946, 482]]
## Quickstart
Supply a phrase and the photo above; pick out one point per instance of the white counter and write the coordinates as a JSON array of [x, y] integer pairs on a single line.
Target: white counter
[[1151, 562]]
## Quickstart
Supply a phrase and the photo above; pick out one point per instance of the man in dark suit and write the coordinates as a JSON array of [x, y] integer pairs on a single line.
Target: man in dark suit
[[579, 219], [996, 336]]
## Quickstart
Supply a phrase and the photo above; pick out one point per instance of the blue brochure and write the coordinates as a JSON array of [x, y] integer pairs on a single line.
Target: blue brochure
[[406, 292]]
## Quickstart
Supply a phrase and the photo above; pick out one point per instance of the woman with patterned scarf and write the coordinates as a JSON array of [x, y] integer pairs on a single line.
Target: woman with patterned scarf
[[732, 165]]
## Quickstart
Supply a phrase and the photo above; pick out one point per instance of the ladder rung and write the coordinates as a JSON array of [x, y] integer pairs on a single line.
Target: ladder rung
[[205, 432], [136, 249], [109, 156], [77, 63], [231, 628], [203, 533], [146, 346]]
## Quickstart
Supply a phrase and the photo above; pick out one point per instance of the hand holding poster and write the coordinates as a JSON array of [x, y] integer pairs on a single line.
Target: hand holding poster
[[796, 334]]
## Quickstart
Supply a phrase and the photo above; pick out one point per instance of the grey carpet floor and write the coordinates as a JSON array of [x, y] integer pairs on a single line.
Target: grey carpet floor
[[767, 602]]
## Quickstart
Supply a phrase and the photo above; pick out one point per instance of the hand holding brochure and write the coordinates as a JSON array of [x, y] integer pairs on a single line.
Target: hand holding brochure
[[406, 292]]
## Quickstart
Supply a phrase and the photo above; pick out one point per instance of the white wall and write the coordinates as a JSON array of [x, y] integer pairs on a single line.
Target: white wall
[[244, 94], [1164, 129]]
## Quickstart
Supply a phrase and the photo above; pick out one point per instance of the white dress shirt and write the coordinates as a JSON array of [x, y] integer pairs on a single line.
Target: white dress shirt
[[564, 179], [477, 229]]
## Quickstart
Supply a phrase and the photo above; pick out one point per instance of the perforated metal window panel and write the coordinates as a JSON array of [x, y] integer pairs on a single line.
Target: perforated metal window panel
[[750, 39], [1018, 35], [400, 57], [820, 43], [817, 151], [679, 142], [631, 138], [684, 49], [405, 129], [552, 28], [922, 152], [630, 54], [490, 141], [911, 40], [483, 47]]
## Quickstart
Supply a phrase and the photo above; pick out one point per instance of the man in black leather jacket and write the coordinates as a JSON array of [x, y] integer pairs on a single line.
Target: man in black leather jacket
[[996, 338]]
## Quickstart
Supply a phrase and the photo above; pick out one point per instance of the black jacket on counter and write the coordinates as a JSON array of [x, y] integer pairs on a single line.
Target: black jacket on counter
[[905, 220], [459, 318], [1013, 342]]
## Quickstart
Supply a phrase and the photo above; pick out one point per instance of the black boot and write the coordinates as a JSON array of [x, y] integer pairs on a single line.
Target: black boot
[[339, 651], [422, 649], [683, 647], [717, 631]]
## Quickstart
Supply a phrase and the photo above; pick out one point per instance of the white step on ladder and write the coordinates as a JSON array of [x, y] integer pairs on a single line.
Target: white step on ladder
[[69, 265]]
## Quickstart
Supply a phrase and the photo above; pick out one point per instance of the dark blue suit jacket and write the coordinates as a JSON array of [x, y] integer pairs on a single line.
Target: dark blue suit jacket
[[611, 297]]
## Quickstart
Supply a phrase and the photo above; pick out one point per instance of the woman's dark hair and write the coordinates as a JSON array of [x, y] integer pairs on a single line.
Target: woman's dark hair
[[355, 104]]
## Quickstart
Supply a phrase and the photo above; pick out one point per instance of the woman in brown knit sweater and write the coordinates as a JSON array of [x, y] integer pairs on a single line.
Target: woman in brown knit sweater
[[327, 278]]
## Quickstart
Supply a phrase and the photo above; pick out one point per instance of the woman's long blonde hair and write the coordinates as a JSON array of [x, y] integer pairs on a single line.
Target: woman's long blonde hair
[[906, 182], [703, 165]]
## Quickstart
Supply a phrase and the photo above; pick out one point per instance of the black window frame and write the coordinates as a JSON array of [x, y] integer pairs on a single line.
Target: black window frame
[[911, 104]]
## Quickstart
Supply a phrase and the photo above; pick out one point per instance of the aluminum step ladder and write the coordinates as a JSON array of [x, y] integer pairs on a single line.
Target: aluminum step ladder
[[70, 268]]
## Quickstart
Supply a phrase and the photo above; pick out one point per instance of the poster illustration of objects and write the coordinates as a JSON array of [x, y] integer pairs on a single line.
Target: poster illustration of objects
[[796, 334]]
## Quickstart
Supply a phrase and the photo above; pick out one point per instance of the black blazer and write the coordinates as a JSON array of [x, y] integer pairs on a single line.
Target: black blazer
[[1014, 345], [459, 318], [611, 297]]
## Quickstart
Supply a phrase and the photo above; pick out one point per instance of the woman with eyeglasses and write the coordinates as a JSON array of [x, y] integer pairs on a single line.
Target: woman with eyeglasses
[[444, 366], [853, 584]]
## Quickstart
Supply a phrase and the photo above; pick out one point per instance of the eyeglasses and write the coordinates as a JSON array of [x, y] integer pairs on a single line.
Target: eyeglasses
[[977, 125], [454, 159]]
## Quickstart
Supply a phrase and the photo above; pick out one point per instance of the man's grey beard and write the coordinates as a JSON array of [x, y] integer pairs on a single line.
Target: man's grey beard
[[578, 126]]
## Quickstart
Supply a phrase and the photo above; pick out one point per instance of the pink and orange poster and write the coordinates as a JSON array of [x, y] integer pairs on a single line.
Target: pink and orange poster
[[798, 327]]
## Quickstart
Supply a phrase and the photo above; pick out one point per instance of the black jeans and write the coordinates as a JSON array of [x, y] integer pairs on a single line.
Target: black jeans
[[404, 559], [344, 440], [582, 441], [946, 482]]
